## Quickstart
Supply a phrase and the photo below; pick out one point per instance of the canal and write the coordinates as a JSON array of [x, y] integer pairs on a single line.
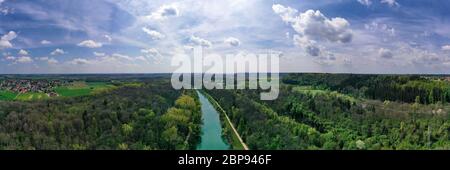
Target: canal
[[211, 128]]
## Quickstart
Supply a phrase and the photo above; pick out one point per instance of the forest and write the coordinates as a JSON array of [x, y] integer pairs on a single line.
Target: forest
[[313, 112], [149, 116], [334, 111]]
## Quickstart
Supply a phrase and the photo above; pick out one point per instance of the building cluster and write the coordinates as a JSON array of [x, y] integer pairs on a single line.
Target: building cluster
[[38, 85]]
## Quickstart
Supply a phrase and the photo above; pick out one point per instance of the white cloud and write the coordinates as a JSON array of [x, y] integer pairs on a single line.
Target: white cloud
[[23, 52], [316, 26], [10, 58], [97, 54], [80, 61], [90, 44], [107, 37], [155, 35], [45, 42], [365, 2], [5, 40], [232, 41], [200, 41], [446, 47], [385, 53], [24, 59], [287, 14], [58, 51], [310, 46], [391, 3], [379, 27], [4, 11], [121, 57], [312, 27], [52, 61], [164, 12]]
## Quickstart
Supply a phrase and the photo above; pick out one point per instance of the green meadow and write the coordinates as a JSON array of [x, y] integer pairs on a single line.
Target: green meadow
[[31, 96], [83, 88], [7, 95]]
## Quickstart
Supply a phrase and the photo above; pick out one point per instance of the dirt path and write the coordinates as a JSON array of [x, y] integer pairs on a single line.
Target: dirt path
[[231, 125]]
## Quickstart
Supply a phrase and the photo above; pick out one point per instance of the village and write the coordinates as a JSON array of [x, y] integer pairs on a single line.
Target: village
[[39, 86]]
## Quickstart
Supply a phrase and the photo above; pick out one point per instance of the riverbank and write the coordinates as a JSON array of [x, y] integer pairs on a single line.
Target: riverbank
[[230, 132]]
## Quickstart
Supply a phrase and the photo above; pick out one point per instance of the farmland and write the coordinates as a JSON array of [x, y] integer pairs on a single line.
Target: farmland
[[7, 95], [72, 89], [82, 88]]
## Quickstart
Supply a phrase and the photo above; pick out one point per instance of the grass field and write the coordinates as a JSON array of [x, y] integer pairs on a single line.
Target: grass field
[[31, 96], [83, 88], [7, 95]]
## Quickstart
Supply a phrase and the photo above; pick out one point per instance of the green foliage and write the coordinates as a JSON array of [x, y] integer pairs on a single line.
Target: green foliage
[[326, 111], [7, 95], [129, 117]]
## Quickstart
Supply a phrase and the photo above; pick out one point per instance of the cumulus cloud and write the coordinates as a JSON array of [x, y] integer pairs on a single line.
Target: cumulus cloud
[[5, 40], [164, 12], [316, 26], [155, 35], [90, 44], [58, 51], [312, 27], [287, 14], [365, 2], [385, 53], [446, 47], [45, 42], [310, 46], [22, 52], [232, 41], [24, 59], [200, 41]]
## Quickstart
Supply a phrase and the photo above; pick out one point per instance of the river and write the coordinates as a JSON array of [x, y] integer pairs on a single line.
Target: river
[[211, 128]]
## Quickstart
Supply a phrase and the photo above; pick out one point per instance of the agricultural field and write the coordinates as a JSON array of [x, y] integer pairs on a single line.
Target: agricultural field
[[83, 88], [7, 95], [31, 96]]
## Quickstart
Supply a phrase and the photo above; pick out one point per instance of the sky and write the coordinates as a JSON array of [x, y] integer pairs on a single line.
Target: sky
[[137, 36]]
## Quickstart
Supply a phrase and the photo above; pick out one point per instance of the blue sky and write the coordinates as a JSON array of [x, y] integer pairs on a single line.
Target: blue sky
[[128, 36]]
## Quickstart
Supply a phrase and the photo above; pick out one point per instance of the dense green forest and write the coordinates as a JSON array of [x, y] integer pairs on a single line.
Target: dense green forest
[[313, 111], [404, 88], [148, 116], [328, 111]]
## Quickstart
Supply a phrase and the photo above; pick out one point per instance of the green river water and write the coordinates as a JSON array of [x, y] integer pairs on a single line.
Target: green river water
[[212, 128]]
